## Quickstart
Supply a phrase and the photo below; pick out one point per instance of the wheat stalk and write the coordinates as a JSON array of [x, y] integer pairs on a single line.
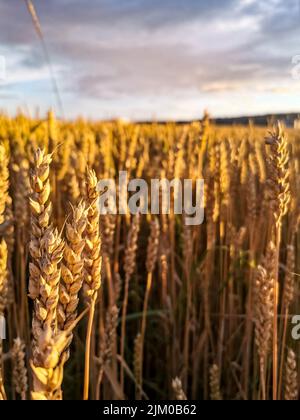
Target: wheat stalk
[[129, 267], [2, 390], [41, 209], [47, 359], [152, 254], [92, 265], [4, 175], [287, 299], [137, 365], [3, 304], [3, 277], [73, 186], [278, 186], [264, 309], [46, 249], [279, 196], [178, 390], [107, 344], [214, 383], [4, 182], [72, 267], [108, 227], [93, 258], [20, 380], [289, 284], [291, 378]]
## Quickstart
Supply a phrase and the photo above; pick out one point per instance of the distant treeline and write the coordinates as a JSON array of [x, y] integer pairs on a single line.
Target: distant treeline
[[261, 120], [258, 120]]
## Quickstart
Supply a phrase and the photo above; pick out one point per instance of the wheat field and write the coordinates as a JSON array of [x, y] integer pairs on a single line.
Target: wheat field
[[145, 306]]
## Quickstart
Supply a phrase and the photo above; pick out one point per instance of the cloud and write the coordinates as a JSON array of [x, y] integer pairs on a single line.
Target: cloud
[[131, 51], [219, 87]]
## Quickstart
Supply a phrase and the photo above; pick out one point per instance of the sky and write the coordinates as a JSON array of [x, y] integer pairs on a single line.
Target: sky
[[152, 59]]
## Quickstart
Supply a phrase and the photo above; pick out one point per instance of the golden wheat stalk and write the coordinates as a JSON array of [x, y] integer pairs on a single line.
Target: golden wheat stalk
[[46, 250], [72, 267], [4, 182], [278, 186], [279, 196], [178, 390], [214, 382], [129, 267], [152, 254], [3, 277], [41, 209], [20, 379], [6, 298], [291, 377], [93, 258], [107, 344], [92, 264], [49, 343], [137, 365], [264, 310], [2, 390]]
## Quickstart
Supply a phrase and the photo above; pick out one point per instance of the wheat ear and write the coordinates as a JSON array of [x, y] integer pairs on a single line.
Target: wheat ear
[[278, 189], [46, 250], [72, 267], [3, 304], [93, 259], [214, 382], [264, 310], [137, 363], [291, 377], [152, 254], [92, 266], [288, 297], [178, 390], [41, 209], [20, 380], [2, 390], [129, 267], [4, 182], [3, 277], [107, 343]]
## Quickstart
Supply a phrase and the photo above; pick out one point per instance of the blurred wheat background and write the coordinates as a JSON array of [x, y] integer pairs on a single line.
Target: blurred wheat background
[[145, 307]]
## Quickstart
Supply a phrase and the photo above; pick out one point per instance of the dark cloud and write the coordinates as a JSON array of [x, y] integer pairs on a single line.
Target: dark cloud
[[136, 12], [57, 14]]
